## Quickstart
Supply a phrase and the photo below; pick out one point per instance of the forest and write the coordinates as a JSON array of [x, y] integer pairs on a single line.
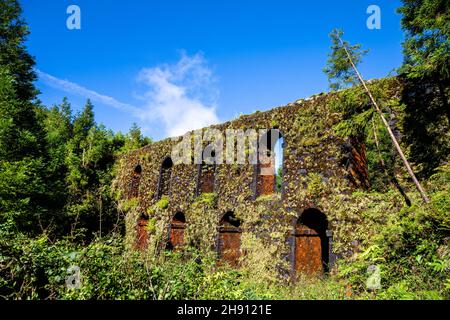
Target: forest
[[58, 208]]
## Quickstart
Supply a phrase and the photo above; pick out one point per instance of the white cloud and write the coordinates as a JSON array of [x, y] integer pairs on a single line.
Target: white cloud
[[182, 96], [74, 88]]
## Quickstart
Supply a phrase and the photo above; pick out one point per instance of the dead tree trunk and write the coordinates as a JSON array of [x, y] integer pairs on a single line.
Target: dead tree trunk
[[386, 124], [392, 179]]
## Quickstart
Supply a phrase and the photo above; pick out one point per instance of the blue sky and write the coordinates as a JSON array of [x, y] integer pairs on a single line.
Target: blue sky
[[173, 65]]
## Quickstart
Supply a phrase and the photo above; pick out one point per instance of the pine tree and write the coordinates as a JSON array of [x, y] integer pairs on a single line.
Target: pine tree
[[426, 73], [342, 68], [23, 195], [20, 132], [22, 187], [134, 139], [76, 161], [338, 71], [58, 127], [427, 45], [13, 54]]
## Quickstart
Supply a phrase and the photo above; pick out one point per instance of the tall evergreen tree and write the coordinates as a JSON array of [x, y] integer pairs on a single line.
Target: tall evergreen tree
[[13, 33], [338, 70], [22, 185], [427, 44], [77, 161], [426, 69], [24, 195], [134, 139], [345, 58], [58, 127], [17, 74]]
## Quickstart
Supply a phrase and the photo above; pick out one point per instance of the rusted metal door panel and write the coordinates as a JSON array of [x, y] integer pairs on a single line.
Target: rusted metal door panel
[[229, 246], [266, 185], [177, 234], [142, 234], [308, 251]]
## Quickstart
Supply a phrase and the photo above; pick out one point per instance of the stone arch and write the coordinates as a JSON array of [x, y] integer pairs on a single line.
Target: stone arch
[[229, 239], [312, 243], [165, 175], [270, 165], [176, 231], [135, 181]]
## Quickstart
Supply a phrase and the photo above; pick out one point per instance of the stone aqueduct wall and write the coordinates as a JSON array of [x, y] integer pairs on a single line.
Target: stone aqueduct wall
[[318, 167]]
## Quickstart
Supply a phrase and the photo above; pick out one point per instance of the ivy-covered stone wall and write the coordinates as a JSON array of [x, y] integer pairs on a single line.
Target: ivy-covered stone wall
[[320, 169]]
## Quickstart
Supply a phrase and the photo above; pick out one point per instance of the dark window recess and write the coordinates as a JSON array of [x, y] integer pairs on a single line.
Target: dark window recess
[[165, 177], [176, 233], [206, 171], [229, 242], [135, 181], [311, 252]]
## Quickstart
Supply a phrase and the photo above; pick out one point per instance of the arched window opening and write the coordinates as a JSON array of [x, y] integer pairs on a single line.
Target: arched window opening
[[229, 243], [176, 231], [165, 177], [206, 171], [270, 163], [135, 181], [312, 245]]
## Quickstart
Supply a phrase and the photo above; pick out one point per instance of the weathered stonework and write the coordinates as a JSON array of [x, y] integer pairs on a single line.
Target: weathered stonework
[[317, 166]]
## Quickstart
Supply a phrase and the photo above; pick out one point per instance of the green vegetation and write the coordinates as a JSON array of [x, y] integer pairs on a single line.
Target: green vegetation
[[426, 65], [338, 68], [426, 48], [411, 249], [279, 179], [163, 203], [206, 198], [57, 208]]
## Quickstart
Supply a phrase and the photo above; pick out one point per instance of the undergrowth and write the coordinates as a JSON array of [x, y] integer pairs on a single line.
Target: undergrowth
[[411, 250]]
